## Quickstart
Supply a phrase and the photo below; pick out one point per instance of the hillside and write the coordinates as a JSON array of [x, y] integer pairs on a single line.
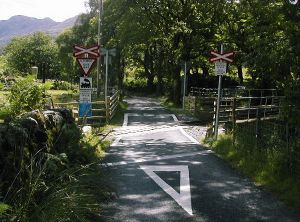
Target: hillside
[[22, 25]]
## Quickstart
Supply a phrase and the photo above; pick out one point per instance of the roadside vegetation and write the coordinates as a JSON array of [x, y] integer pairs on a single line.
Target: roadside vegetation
[[274, 168], [153, 40], [48, 167]]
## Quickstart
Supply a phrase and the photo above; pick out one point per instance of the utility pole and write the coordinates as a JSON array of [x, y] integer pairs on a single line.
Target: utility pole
[[99, 43]]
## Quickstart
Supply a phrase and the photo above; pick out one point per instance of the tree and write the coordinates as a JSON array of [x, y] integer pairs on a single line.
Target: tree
[[38, 49], [156, 36]]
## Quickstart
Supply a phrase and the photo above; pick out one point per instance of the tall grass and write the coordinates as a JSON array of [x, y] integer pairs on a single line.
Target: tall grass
[[58, 182], [267, 167]]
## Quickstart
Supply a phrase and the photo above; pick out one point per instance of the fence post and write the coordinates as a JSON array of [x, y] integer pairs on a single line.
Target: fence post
[[257, 133], [214, 118], [287, 137], [195, 104], [233, 119], [107, 106]]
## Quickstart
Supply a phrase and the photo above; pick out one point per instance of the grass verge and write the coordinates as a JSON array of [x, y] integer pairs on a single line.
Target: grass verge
[[170, 105], [262, 167]]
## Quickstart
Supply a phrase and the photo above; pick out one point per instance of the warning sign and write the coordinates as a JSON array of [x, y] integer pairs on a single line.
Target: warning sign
[[86, 64], [220, 67], [85, 83]]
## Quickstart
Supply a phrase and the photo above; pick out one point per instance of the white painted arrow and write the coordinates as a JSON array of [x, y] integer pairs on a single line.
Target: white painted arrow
[[221, 56], [184, 197]]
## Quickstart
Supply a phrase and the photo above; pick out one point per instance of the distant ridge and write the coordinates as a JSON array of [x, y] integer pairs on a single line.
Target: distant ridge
[[20, 25]]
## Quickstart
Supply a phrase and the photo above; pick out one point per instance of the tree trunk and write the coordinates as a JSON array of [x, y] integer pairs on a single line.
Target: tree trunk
[[177, 86], [120, 68], [205, 71], [240, 74]]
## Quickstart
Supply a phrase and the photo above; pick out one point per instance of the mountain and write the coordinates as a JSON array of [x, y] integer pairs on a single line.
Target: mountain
[[20, 25]]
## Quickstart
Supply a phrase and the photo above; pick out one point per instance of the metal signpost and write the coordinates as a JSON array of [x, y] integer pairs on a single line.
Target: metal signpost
[[100, 12], [107, 52], [85, 97], [184, 85], [86, 57], [220, 61], [186, 67]]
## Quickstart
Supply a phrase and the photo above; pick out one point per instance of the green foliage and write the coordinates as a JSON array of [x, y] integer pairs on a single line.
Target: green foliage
[[25, 95], [34, 50], [47, 173], [270, 162], [136, 85], [3, 210], [291, 105], [3, 67], [92, 148], [75, 198], [62, 85]]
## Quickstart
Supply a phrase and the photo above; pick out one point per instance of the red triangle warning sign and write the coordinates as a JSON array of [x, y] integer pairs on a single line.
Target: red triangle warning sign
[[86, 64]]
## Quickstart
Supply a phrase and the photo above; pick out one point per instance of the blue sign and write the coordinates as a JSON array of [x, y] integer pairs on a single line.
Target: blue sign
[[85, 110]]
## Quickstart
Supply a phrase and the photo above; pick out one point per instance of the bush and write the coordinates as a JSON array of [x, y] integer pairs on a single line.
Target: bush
[[4, 208], [291, 106], [25, 95], [269, 158], [2, 86], [136, 85], [62, 85], [47, 173]]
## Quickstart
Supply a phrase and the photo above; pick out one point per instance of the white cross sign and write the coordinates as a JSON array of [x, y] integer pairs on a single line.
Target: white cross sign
[[92, 51], [293, 2], [227, 57]]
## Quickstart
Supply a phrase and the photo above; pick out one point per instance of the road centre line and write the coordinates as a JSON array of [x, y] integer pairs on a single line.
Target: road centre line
[[169, 157]]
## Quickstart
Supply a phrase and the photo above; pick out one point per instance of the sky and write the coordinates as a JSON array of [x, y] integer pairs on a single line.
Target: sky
[[58, 10]]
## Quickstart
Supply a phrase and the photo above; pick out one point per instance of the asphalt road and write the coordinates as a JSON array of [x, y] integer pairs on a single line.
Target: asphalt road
[[160, 173]]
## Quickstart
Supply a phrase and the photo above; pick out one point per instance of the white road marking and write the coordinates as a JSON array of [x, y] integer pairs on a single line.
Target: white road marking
[[192, 139], [184, 197], [148, 115], [116, 141], [150, 131], [174, 117], [169, 157], [145, 131], [127, 115], [156, 144]]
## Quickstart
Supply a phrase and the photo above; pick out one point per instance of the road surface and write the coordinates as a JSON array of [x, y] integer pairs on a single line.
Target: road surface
[[160, 173]]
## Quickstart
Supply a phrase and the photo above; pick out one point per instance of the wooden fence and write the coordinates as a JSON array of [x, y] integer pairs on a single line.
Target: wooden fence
[[247, 108], [232, 92], [102, 110], [237, 105]]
